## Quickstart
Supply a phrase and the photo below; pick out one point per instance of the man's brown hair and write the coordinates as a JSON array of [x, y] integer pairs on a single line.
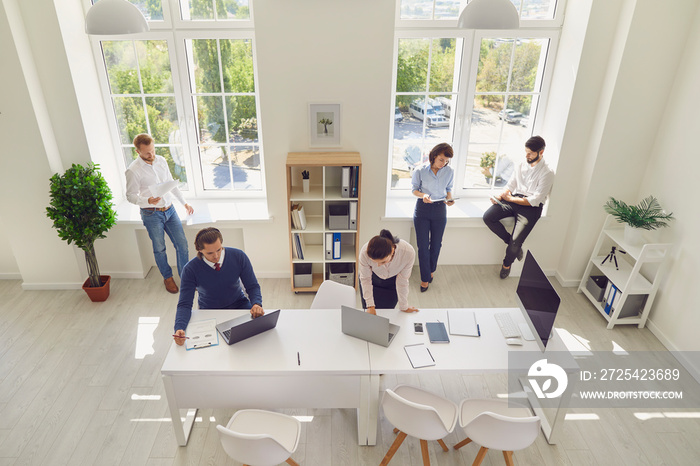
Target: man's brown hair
[[142, 139], [206, 236]]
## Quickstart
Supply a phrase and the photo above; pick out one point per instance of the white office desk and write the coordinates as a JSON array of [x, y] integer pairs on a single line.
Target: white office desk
[[336, 371], [263, 371], [464, 354]]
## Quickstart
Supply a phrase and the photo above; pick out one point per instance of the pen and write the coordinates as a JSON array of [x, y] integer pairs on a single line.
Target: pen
[[431, 354], [178, 336], [298, 359], [478, 330]]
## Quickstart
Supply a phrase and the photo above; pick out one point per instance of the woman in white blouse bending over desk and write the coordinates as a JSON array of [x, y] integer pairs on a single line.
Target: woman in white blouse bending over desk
[[386, 263]]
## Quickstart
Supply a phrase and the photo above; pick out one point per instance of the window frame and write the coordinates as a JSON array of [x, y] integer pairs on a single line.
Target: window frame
[[175, 33], [432, 29]]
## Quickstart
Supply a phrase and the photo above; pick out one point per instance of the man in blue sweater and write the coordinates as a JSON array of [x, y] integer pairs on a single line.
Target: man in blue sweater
[[216, 273]]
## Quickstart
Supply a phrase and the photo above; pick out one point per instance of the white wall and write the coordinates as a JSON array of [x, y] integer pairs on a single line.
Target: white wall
[[670, 175], [27, 158]]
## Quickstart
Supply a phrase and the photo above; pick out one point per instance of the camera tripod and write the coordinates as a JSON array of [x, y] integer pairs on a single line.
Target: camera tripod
[[611, 255]]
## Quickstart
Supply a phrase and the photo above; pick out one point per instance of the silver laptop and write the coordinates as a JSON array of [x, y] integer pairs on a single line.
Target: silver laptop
[[374, 329], [245, 326]]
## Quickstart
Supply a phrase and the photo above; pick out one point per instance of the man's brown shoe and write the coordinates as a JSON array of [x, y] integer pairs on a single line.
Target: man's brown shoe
[[170, 285]]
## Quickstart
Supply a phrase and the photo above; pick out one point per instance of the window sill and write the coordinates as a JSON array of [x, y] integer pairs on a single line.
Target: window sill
[[464, 212], [205, 211]]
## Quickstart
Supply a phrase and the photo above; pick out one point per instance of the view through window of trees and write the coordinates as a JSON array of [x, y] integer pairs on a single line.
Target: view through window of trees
[[494, 82], [450, 9], [210, 91]]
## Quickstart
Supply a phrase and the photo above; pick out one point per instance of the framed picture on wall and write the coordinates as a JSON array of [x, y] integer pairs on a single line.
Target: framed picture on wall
[[324, 125]]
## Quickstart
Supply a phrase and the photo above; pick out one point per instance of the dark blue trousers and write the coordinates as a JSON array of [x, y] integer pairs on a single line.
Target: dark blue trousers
[[429, 221]]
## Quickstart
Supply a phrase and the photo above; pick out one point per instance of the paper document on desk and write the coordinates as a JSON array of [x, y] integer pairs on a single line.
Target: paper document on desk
[[419, 355], [463, 322], [158, 190], [201, 334]]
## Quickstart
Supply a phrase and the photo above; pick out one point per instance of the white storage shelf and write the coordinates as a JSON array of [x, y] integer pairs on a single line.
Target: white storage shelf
[[627, 277], [324, 191]]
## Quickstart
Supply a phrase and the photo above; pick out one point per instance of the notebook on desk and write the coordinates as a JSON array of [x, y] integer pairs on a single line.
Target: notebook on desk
[[374, 329], [245, 326]]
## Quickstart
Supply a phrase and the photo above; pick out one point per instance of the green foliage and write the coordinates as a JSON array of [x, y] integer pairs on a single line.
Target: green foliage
[[647, 215], [494, 62], [488, 159], [81, 210], [412, 68]]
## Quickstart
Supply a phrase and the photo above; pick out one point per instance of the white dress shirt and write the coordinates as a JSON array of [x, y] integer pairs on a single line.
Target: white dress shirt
[[401, 266], [213, 264], [534, 183], [140, 175]]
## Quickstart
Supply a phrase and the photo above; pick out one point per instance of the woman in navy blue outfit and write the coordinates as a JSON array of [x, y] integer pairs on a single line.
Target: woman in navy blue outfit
[[432, 184]]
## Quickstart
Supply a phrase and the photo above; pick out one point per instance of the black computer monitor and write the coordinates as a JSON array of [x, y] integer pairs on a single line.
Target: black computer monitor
[[538, 300]]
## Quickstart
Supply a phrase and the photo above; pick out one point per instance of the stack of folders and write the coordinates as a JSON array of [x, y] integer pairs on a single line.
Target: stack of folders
[[611, 295], [298, 246], [350, 180], [298, 217], [333, 245]]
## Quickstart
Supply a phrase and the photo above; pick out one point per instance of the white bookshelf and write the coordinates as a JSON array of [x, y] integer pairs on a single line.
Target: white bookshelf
[[638, 272], [325, 169]]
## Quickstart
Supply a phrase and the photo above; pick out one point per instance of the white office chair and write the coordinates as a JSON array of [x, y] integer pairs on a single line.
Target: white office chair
[[496, 424], [260, 438], [419, 414], [331, 295]]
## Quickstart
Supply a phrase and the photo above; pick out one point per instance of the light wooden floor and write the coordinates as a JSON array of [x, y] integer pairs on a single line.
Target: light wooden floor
[[80, 384]]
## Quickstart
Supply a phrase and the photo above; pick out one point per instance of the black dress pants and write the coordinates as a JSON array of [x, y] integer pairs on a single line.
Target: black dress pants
[[384, 291]]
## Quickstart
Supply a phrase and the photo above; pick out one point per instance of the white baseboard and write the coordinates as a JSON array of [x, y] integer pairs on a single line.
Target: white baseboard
[[273, 275], [677, 353], [51, 286], [566, 283], [132, 275]]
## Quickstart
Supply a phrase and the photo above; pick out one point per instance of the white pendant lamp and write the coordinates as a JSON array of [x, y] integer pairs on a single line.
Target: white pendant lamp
[[489, 14], [114, 17]]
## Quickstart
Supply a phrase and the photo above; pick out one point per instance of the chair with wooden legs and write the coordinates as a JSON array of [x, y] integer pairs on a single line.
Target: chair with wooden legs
[[260, 438], [498, 425], [419, 414]]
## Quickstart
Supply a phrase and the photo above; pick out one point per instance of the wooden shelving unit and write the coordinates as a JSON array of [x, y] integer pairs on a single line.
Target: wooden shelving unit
[[638, 272], [325, 170]]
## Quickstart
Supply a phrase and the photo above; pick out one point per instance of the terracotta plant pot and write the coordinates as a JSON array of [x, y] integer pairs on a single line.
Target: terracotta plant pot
[[98, 294]]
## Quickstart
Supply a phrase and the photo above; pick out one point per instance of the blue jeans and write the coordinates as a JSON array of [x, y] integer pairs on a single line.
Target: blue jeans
[[525, 220], [429, 221], [158, 223]]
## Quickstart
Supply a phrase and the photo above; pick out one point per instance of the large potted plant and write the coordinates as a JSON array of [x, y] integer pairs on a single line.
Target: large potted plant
[[647, 215], [81, 210]]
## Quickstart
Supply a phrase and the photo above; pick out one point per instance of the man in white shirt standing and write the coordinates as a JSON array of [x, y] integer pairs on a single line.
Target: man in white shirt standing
[[157, 213], [525, 194]]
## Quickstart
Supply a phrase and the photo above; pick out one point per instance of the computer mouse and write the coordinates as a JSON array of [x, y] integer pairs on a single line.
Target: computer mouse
[[514, 341]]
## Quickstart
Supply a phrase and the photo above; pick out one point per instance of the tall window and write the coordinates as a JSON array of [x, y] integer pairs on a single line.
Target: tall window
[[190, 83], [481, 91]]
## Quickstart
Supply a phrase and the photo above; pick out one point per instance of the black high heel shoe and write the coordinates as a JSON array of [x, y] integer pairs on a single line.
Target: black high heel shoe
[[423, 289]]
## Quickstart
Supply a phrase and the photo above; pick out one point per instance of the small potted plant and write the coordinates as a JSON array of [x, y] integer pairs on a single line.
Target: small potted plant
[[647, 215], [488, 160], [81, 210], [305, 181]]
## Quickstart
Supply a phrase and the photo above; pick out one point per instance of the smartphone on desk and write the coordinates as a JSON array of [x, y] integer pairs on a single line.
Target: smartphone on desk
[[418, 328]]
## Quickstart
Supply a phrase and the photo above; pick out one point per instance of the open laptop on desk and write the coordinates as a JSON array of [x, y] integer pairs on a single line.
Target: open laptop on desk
[[374, 329], [245, 326]]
